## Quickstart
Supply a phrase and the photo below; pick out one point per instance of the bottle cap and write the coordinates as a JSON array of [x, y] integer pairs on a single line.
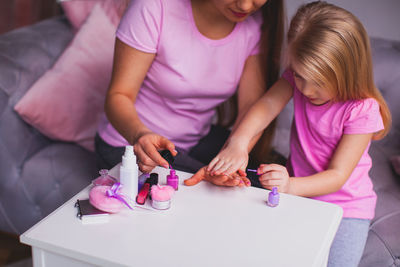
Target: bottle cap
[[129, 158], [167, 156], [153, 180]]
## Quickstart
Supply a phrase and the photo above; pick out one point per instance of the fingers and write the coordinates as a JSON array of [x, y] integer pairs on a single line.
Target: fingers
[[196, 178], [233, 182], [147, 146], [274, 175], [171, 147], [145, 168], [263, 168], [146, 164], [222, 167], [212, 164], [246, 181], [220, 180], [270, 183], [155, 156]]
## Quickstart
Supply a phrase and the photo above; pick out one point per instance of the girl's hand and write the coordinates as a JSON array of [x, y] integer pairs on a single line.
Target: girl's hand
[[220, 180], [146, 150], [230, 160], [274, 175]]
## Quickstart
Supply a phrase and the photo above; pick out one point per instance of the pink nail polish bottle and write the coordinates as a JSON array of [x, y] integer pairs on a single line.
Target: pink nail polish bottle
[[173, 179]]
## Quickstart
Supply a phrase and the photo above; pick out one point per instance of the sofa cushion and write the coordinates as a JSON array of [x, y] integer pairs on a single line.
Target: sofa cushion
[[25, 54], [386, 60], [77, 11], [66, 102], [383, 245], [48, 178]]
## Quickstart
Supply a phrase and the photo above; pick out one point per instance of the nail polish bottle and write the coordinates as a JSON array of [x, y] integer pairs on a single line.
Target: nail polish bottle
[[128, 173], [104, 178], [273, 197], [173, 179]]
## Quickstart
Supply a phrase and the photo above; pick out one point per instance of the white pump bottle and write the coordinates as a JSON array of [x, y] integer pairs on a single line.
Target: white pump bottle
[[128, 173]]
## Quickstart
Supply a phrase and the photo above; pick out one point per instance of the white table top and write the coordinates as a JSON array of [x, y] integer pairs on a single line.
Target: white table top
[[206, 225]]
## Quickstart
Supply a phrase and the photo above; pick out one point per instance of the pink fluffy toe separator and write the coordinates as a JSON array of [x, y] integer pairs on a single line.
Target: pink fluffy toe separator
[[99, 199]]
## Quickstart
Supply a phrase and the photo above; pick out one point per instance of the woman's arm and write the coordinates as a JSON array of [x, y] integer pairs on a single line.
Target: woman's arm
[[344, 160], [129, 70]]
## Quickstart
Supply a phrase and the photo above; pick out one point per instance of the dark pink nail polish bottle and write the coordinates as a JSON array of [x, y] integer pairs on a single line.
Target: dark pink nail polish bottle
[[173, 179]]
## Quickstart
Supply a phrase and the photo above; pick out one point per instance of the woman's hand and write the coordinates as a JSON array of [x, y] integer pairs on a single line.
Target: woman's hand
[[274, 175], [220, 180], [146, 150], [231, 159]]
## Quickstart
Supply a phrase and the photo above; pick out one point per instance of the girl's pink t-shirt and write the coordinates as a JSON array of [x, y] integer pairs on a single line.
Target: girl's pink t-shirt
[[316, 132], [190, 75]]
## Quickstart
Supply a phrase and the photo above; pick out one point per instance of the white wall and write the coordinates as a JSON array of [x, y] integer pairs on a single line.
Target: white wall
[[381, 18]]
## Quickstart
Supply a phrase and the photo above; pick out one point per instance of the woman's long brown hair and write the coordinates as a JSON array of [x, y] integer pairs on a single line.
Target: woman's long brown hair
[[271, 47]]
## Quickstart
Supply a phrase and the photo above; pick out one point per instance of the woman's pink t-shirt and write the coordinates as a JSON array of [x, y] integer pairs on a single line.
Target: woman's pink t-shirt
[[190, 75], [316, 132]]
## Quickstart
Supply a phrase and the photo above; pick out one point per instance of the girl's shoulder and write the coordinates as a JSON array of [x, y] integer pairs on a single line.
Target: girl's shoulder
[[362, 116], [362, 106]]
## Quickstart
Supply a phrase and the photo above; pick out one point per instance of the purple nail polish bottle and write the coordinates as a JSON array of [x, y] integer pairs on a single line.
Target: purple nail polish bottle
[[173, 179], [273, 197]]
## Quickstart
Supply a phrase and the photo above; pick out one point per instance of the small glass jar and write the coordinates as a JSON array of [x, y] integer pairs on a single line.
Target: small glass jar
[[104, 179]]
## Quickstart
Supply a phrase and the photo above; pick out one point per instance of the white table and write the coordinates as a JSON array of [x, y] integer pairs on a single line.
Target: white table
[[206, 226]]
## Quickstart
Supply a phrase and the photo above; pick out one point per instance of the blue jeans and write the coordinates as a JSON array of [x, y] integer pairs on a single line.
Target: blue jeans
[[348, 245]]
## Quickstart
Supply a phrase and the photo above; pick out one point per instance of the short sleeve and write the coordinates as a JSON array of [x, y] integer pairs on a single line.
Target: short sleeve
[[141, 24], [363, 117], [288, 76]]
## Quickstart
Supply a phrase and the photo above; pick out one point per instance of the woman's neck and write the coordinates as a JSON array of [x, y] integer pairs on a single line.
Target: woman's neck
[[210, 21]]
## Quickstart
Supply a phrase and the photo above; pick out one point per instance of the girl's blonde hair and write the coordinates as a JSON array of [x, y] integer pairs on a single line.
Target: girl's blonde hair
[[333, 49]]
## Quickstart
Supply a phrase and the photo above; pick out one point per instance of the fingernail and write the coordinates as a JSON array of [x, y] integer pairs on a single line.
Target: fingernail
[[166, 166]]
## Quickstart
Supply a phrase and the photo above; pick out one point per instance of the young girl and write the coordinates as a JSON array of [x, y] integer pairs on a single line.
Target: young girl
[[175, 62], [337, 111]]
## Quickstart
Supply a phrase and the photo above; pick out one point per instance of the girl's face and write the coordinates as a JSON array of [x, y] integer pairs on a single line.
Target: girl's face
[[237, 10], [316, 94]]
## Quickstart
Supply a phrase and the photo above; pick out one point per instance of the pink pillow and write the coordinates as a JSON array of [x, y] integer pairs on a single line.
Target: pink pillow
[[77, 11], [66, 102]]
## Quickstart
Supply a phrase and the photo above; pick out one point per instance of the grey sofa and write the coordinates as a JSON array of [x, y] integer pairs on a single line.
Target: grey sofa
[[38, 174]]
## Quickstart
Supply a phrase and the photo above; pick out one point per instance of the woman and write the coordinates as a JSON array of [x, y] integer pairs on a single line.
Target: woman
[[175, 62]]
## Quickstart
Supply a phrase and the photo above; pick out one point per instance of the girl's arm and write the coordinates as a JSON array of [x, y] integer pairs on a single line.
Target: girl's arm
[[129, 70], [234, 156], [251, 88], [344, 160]]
